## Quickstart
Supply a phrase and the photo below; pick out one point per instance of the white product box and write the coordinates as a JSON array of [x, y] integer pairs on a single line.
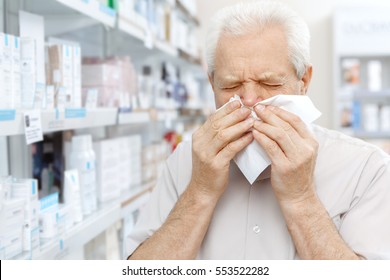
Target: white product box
[[16, 74], [48, 216], [7, 100], [385, 118], [1, 73], [67, 73], [100, 75], [108, 169], [11, 243], [28, 71], [77, 96], [50, 97], [371, 117], [12, 214]]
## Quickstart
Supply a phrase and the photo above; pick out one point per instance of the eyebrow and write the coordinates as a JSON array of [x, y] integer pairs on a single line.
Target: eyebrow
[[266, 76]]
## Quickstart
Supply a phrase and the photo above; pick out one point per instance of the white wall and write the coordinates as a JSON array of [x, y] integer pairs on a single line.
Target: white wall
[[318, 15]]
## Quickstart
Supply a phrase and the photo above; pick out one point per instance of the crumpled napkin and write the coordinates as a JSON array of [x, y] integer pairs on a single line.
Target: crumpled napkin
[[253, 159]]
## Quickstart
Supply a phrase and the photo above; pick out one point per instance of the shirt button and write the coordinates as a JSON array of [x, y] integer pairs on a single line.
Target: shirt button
[[256, 229]]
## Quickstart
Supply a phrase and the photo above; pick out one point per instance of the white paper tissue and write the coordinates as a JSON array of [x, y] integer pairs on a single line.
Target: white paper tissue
[[253, 159]]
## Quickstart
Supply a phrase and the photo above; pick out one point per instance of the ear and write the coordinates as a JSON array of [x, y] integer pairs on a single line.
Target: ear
[[306, 78]]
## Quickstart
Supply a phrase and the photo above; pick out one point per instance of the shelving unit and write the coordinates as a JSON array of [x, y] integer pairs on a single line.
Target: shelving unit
[[60, 120], [359, 42], [101, 32], [83, 232]]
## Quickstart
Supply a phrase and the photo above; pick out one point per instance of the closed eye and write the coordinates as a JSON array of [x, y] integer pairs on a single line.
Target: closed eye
[[231, 87]]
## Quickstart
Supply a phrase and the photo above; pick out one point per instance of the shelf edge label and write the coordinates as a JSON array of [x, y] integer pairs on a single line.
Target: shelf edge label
[[78, 113], [7, 115]]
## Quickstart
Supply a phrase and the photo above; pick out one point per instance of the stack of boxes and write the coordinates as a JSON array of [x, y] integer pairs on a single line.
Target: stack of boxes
[[107, 163], [28, 73], [10, 72], [27, 190], [11, 232], [64, 73], [19, 215], [153, 158], [114, 79], [48, 216], [118, 166]]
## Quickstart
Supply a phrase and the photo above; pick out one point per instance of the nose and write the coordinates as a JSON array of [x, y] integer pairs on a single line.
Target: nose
[[251, 94]]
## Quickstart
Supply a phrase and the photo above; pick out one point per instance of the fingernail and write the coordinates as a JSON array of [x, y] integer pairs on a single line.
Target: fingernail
[[250, 121], [259, 108], [271, 108], [235, 104], [244, 109]]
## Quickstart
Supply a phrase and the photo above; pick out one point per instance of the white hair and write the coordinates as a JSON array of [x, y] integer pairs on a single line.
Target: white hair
[[244, 17]]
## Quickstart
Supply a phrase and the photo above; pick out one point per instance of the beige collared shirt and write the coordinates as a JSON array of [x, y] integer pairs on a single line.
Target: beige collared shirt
[[352, 181]]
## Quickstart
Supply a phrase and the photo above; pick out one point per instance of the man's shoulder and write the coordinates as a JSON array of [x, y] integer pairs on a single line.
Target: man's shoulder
[[179, 164], [182, 153], [335, 144]]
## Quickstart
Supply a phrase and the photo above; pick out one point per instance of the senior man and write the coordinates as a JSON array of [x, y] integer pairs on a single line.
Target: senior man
[[324, 196]]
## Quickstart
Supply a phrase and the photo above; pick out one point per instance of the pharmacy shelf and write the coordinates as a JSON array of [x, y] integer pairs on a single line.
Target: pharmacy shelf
[[93, 9], [59, 120], [134, 117], [146, 116], [95, 224], [138, 32], [372, 135], [372, 95]]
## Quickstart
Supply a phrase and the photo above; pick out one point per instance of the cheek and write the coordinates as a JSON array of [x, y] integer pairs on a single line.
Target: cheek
[[222, 98]]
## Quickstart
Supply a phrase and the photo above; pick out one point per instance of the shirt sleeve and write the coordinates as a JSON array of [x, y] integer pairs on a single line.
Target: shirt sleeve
[[155, 212], [366, 226]]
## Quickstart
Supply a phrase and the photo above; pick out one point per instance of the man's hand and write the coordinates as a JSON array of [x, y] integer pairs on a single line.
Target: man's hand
[[292, 150], [215, 144]]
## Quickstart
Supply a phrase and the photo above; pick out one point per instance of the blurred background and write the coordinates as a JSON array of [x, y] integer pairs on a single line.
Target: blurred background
[[96, 94]]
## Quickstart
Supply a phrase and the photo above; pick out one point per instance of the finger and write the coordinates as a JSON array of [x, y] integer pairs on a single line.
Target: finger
[[215, 124], [293, 120], [232, 133], [267, 115], [270, 146], [279, 136], [230, 150]]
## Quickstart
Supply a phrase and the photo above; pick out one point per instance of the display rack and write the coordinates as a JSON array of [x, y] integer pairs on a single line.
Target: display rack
[[72, 20], [360, 39], [92, 225], [60, 120]]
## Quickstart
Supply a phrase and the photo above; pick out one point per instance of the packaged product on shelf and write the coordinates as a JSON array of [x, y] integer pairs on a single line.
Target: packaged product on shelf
[[64, 219], [50, 97], [135, 142], [72, 195], [16, 74], [48, 216], [371, 117], [385, 118], [114, 78], [28, 71], [124, 157], [82, 158], [6, 98], [90, 98], [27, 189], [11, 221], [351, 74], [374, 73], [63, 69], [77, 95], [108, 168]]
